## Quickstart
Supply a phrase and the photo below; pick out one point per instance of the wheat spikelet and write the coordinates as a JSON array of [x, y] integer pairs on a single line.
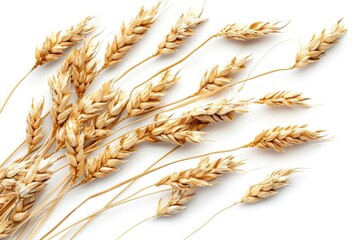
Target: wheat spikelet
[[283, 98], [280, 137], [84, 66], [203, 175], [150, 96], [55, 44], [249, 32], [61, 94], [267, 187], [34, 131], [66, 66], [181, 30], [74, 140], [113, 155], [175, 132], [175, 203], [21, 193], [129, 35], [318, 45], [217, 78]]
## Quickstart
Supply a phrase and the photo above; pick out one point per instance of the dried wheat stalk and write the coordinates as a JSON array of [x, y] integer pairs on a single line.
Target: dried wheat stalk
[[84, 66], [283, 98], [74, 140], [175, 203], [55, 45], [129, 35], [280, 137], [150, 96], [267, 187], [318, 45], [217, 78], [203, 175], [181, 30], [249, 32], [34, 130]]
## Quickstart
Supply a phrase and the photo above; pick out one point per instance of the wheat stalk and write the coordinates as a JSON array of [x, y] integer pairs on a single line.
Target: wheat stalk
[[283, 98], [84, 66], [216, 78], [182, 29], [129, 35], [318, 45], [203, 175], [249, 31], [150, 96], [268, 187], [280, 137], [55, 44], [34, 130]]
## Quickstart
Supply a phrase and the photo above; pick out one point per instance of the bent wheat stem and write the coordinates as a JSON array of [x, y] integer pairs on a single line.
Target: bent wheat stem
[[134, 226]]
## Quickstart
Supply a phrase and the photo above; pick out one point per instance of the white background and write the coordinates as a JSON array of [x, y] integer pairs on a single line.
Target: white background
[[322, 202]]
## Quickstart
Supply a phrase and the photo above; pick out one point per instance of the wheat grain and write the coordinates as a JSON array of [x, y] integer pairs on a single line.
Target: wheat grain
[[74, 140], [267, 187], [216, 78], [249, 32], [34, 130], [175, 203], [172, 131], [280, 137], [203, 175], [55, 44], [283, 98], [150, 96], [84, 66], [318, 45], [182, 29], [129, 35]]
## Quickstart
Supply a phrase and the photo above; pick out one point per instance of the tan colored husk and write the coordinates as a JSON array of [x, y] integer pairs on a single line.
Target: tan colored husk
[[164, 130], [34, 130], [216, 78], [84, 66], [249, 32], [203, 175], [55, 44], [267, 187], [129, 35], [21, 191], [318, 45], [280, 137], [113, 155], [74, 141], [183, 29], [283, 98], [175, 203], [150, 95]]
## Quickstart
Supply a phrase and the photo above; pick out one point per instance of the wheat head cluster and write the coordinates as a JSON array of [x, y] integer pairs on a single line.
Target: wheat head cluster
[[81, 145]]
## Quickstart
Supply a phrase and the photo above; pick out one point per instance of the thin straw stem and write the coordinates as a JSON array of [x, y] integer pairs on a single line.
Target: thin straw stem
[[216, 214], [137, 224], [12, 153], [15, 87]]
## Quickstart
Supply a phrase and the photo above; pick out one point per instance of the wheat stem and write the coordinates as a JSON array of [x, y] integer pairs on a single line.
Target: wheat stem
[[134, 226], [215, 215], [103, 210], [15, 87], [128, 186]]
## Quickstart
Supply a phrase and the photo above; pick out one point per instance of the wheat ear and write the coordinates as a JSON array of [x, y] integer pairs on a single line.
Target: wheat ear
[[318, 45], [266, 188], [129, 35], [34, 130], [283, 98]]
